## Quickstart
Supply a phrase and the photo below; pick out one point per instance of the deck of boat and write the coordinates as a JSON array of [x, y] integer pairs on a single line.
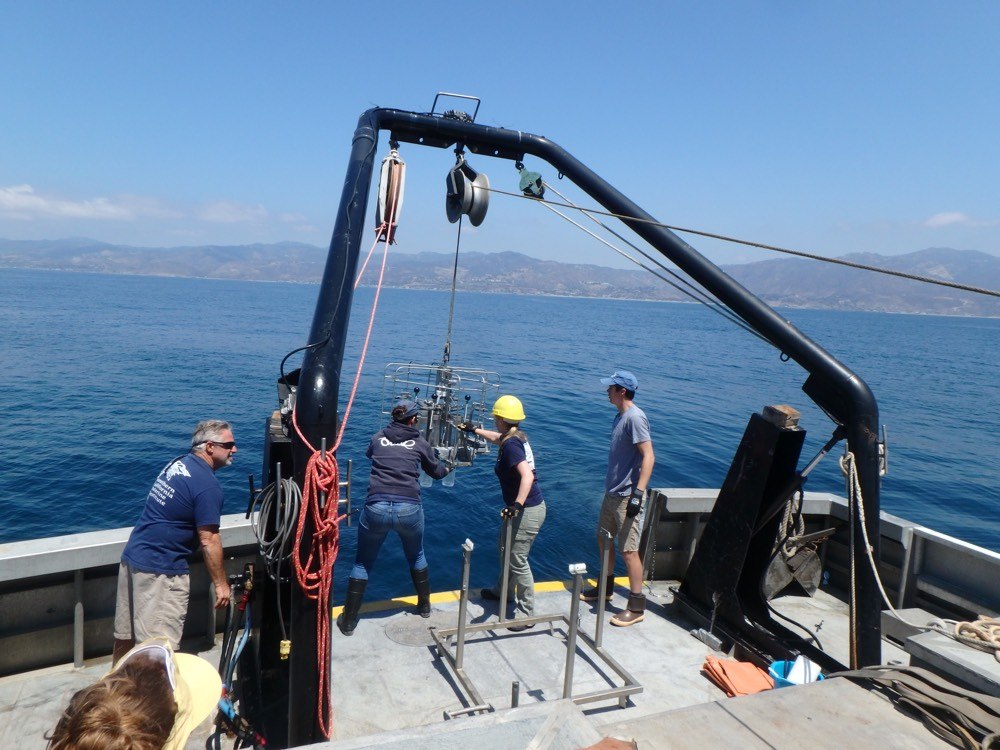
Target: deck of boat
[[392, 689]]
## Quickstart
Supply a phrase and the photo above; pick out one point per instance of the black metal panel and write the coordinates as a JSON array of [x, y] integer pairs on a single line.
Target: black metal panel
[[723, 581], [730, 558]]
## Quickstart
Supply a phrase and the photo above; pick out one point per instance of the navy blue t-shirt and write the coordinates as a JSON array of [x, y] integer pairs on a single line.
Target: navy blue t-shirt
[[186, 495], [512, 452]]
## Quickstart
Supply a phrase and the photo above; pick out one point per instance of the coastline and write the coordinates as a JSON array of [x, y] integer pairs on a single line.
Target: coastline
[[777, 306]]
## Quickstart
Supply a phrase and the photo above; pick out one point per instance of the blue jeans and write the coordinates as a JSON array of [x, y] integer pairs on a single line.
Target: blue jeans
[[381, 515]]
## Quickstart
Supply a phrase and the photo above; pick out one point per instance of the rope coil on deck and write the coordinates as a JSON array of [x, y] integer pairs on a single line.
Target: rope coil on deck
[[982, 633]]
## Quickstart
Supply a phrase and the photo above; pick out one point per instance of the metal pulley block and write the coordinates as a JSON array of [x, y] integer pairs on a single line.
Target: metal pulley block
[[530, 184], [391, 181], [468, 193]]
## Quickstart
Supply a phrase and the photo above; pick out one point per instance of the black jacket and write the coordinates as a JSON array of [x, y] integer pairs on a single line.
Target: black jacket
[[398, 453]]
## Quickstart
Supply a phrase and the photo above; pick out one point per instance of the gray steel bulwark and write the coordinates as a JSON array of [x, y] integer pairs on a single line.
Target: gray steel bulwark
[[839, 392]]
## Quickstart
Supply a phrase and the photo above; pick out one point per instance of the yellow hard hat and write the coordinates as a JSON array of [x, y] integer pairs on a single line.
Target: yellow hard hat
[[509, 409]]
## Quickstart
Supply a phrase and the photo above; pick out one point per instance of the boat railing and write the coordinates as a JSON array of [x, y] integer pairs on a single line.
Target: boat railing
[[919, 567], [57, 595], [944, 569]]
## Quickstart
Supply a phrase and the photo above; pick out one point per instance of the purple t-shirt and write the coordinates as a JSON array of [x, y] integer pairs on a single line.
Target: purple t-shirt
[[185, 496]]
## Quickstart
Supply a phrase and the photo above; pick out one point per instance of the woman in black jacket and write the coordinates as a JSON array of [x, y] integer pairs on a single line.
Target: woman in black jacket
[[397, 453]]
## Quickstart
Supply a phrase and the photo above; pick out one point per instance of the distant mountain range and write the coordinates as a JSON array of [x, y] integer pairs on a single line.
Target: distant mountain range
[[784, 282]]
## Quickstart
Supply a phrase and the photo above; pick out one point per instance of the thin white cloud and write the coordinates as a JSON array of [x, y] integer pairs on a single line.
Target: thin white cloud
[[143, 208], [229, 212], [297, 223], [22, 202], [947, 218], [955, 218]]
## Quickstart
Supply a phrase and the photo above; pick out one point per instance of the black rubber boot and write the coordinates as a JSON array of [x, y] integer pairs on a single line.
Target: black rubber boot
[[348, 619], [422, 583], [633, 613], [593, 594]]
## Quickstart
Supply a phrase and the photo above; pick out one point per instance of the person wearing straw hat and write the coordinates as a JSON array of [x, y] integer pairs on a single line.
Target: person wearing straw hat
[[524, 505], [152, 699]]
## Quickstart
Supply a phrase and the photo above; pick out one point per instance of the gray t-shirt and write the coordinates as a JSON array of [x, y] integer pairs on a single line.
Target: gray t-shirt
[[624, 460]]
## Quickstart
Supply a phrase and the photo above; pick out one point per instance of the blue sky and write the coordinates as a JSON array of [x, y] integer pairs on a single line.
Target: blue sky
[[827, 127]]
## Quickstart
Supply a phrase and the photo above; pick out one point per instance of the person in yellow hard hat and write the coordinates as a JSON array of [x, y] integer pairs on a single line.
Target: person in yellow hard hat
[[524, 506]]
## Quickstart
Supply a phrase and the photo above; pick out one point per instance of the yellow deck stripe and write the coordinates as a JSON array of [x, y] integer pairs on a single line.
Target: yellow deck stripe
[[453, 596]]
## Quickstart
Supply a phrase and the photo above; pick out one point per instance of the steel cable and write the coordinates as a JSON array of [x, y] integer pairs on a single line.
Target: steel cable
[[762, 246], [693, 292]]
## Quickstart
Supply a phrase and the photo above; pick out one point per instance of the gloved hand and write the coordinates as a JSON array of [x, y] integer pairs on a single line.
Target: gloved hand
[[634, 503], [467, 426], [511, 511]]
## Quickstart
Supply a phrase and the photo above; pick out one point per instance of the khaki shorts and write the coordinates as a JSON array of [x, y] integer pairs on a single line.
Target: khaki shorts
[[626, 530], [150, 605]]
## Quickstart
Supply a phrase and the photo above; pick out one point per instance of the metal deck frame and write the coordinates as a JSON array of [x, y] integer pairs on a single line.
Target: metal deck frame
[[456, 661]]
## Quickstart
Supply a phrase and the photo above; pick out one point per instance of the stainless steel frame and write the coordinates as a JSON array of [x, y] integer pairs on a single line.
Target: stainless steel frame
[[456, 661]]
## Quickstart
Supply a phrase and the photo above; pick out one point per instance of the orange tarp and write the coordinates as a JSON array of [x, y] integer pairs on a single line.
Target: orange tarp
[[736, 677]]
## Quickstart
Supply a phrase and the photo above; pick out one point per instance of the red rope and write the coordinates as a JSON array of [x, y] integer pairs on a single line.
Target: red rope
[[364, 266], [315, 573], [364, 348]]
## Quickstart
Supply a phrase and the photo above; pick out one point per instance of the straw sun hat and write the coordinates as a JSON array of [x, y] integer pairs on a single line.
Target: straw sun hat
[[196, 684]]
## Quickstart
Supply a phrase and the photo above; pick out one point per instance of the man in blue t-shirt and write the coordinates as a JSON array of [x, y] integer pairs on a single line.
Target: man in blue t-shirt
[[630, 465], [181, 514]]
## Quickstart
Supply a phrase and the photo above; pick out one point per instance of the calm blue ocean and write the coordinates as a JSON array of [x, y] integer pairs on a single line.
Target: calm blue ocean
[[105, 376]]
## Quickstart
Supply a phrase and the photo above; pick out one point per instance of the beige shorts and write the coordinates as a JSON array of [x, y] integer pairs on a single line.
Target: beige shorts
[[626, 530], [150, 605]]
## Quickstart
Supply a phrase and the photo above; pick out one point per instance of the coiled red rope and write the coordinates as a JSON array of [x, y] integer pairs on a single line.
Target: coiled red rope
[[315, 572]]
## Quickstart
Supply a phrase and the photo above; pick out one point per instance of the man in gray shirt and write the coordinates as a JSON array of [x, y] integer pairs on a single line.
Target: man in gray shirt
[[630, 464]]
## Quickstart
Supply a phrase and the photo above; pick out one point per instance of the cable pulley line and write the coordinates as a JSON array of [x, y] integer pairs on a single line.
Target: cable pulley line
[[468, 195], [763, 246], [454, 284], [692, 292]]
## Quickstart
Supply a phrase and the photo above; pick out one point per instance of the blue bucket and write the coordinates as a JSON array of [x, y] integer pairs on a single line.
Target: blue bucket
[[779, 672]]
